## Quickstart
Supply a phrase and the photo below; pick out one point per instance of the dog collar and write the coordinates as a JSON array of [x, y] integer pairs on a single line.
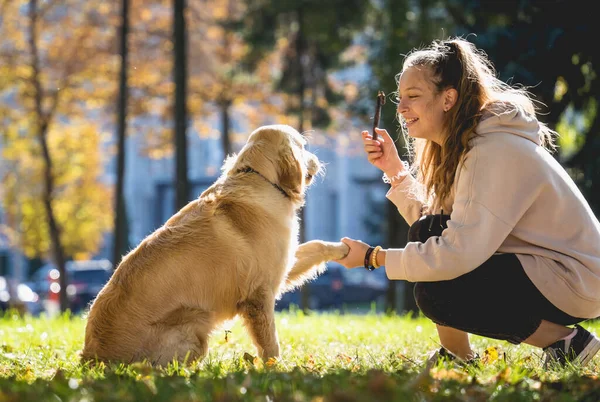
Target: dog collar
[[250, 170]]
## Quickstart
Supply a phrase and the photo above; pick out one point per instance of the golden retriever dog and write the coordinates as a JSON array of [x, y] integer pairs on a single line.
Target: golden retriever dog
[[231, 252]]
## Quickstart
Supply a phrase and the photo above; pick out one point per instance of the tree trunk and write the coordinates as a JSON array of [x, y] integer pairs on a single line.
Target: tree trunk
[[396, 236], [225, 99], [300, 49], [43, 121], [225, 126], [120, 244], [182, 191]]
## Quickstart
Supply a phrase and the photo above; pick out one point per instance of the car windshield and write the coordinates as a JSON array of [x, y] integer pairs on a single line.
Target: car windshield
[[99, 276]]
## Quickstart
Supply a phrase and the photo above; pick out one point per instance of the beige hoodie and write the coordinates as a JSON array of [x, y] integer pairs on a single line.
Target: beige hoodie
[[510, 196]]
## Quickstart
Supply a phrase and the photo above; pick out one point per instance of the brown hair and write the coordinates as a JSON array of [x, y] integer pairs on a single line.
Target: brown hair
[[457, 63]]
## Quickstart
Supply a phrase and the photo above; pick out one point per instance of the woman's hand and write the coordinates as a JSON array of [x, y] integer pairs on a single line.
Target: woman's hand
[[356, 255], [382, 152]]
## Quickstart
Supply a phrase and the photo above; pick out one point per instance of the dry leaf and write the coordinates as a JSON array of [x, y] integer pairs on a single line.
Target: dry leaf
[[248, 358], [490, 355]]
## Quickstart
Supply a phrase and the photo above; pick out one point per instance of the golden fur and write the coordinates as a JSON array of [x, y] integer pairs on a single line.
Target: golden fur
[[233, 251]]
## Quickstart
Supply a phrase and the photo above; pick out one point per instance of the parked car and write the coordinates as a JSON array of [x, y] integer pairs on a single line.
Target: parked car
[[86, 279], [18, 296], [338, 287]]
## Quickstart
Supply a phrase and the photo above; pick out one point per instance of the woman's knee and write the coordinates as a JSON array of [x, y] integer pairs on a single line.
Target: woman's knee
[[429, 300]]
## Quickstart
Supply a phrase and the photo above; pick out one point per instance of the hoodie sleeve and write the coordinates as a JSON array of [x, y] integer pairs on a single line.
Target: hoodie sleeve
[[404, 199], [489, 200]]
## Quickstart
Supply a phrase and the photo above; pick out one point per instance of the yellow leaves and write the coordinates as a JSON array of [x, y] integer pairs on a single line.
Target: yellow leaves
[[490, 355], [75, 148], [143, 77], [220, 11], [282, 43], [19, 150], [145, 15], [251, 360], [158, 142], [154, 153], [257, 363], [322, 102], [103, 7], [71, 48], [214, 33], [344, 358], [22, 71], [82, 203], [81, 256], [450, 374], [205, 130]]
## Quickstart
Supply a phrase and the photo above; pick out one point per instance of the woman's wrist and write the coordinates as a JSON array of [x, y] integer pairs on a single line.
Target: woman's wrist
[[395, 170], [373, 259], [381, 257], [395, 179], [396, 175]]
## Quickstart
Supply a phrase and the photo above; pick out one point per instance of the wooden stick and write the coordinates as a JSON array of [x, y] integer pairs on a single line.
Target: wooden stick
[[380, 102]]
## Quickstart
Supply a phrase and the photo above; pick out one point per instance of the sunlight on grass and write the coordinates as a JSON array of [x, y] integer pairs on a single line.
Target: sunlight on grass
[[322, 355]]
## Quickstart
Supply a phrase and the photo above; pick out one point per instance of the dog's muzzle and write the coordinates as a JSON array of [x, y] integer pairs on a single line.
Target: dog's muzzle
[[313, 167]]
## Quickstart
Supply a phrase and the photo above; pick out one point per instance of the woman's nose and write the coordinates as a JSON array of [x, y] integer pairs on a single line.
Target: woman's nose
[[401, 107]]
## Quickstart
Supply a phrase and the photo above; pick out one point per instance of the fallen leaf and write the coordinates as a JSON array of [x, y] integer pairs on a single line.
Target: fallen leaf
[[490, 355]]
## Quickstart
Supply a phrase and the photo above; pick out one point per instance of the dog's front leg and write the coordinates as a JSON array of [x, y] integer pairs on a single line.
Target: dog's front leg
[[258, 313], [310, 260]]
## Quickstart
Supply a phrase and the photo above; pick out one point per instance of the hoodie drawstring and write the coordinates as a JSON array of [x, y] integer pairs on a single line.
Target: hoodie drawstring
[[433, 219]]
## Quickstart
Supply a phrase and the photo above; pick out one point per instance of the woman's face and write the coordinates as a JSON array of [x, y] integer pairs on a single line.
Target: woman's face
[[422, 109]]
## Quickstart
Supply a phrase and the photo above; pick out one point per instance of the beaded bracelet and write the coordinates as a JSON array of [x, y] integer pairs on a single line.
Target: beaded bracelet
[[374, 257], [368, 265]]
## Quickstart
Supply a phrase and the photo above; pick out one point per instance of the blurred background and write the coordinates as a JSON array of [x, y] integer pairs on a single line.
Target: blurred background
[[115, 114]]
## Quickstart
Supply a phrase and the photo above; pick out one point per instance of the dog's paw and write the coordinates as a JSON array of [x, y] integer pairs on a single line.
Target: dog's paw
[[324, 250], [338, 250]]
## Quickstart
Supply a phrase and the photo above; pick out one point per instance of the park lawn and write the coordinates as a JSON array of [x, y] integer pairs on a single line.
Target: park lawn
[[324, 357]]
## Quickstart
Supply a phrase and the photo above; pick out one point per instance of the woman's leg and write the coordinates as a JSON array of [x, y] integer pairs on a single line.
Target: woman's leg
[[547, 333], [456, 342], [495, 300], [452, 339]]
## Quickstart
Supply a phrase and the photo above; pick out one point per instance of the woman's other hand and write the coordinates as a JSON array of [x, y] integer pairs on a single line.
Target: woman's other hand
[[382, 152]]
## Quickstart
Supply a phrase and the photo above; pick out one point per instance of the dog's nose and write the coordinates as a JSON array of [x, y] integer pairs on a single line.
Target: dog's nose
[[313, 167], [313, 164]]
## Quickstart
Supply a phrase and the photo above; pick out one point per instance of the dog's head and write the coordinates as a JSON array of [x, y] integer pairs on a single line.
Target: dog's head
[[278, 153]]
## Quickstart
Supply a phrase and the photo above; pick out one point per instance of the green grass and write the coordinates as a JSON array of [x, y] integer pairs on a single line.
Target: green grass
[[325, 357]]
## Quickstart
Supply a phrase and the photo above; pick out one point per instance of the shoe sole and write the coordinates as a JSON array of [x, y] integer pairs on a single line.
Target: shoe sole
[[588, 353]]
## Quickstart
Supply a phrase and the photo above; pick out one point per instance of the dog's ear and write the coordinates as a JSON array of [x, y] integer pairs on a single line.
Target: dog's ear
[[291, 175], [228, 164]]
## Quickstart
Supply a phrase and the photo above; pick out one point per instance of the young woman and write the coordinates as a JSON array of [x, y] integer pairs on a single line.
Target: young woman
[[502, 242]]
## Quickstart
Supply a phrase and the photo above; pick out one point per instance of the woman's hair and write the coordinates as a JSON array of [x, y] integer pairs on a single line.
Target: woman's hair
[[457, 63]]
